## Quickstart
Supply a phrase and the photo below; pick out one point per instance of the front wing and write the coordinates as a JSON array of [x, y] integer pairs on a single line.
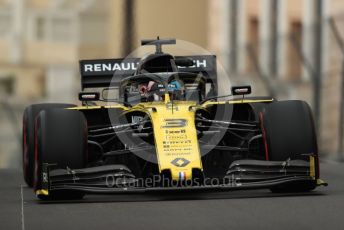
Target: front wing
[[242, 175]]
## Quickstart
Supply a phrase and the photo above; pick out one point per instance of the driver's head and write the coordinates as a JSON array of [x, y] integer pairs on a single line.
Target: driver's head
[[174, 85], [175, 89]]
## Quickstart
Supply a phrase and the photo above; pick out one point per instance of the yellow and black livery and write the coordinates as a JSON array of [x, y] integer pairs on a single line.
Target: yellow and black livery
[[167, 129]]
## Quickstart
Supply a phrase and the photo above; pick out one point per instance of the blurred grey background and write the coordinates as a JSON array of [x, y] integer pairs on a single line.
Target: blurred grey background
[[292, 49]]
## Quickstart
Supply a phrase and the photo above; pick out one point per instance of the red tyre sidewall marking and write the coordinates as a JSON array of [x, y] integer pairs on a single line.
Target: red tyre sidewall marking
[[264, 136]]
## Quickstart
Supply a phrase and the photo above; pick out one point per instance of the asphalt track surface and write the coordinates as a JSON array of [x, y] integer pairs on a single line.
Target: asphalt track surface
[[260, 209]]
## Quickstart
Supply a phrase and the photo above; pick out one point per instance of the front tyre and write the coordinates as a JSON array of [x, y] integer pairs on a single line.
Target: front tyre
[[28, 145], [61, 139], [290, 134]]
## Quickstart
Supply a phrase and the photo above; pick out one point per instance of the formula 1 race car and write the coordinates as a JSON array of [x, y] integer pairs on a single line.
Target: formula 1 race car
[[157, 123]]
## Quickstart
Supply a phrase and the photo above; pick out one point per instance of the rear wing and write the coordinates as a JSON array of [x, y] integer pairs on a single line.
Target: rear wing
[[103, 73]]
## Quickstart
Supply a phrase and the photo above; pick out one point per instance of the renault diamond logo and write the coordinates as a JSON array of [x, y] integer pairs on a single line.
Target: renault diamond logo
[[180, 162]]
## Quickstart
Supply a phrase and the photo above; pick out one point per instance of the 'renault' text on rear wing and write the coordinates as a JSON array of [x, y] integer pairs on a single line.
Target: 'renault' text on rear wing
[[109, 72]]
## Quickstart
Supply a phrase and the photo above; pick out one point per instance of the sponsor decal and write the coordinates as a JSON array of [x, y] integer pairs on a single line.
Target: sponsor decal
[[197, 64], [131, 65], [175, 123], [45, 177], [103, 67], [136, 119], [180, 162], [170, 106]]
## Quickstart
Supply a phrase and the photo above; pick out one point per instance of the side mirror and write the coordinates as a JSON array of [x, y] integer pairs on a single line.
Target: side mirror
[[89, 96], [241, 90]]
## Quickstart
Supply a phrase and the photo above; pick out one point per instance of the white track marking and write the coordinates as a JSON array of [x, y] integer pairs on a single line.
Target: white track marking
[[22, 207]]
